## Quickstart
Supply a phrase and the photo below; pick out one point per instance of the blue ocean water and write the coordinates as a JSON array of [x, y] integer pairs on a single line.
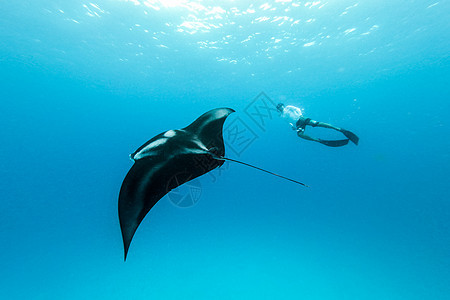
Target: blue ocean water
[[84, 84]]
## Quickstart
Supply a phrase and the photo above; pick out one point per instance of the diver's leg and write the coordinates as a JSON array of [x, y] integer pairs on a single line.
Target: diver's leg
[[348, 134], [334, 143], [322, 124], [337, 143], [301, 134]]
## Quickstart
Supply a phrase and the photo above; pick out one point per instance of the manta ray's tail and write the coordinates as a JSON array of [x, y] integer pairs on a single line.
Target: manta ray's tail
[[271, 173]]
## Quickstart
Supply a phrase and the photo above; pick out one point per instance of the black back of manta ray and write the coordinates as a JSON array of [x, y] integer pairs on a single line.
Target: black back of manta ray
[[183, 154]]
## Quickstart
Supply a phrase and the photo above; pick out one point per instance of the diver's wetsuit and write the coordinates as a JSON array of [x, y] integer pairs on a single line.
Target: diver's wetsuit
[[302, 122]]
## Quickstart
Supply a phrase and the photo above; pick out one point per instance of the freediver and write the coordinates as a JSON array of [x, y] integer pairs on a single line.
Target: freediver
[[294, 116]]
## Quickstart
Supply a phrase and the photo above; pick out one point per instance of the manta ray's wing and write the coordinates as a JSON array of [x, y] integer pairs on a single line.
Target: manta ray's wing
[[209, 129], [148, 180], [167, 161]]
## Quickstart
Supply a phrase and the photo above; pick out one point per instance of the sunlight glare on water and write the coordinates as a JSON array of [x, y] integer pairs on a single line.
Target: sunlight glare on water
[[256, 30]]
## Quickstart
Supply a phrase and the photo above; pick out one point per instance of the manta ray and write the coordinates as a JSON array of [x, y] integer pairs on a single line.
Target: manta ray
[[185, 154]]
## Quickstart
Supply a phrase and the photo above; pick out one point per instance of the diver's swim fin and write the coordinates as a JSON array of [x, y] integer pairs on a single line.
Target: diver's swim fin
[[351, 136], [336, 143]]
